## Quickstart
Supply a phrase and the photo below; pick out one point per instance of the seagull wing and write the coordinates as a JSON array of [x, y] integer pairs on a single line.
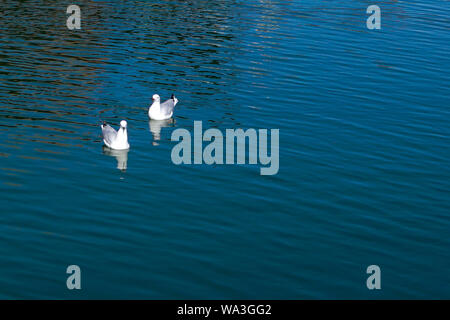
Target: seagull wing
[[109, 134], [167, 106]]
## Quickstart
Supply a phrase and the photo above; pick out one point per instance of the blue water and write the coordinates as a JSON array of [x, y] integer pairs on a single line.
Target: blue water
[[364, 147]]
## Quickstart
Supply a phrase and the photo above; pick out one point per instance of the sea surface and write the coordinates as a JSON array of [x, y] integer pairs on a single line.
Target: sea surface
[[364, 174]]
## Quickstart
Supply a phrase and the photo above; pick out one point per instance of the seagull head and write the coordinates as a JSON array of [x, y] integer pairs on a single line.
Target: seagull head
[[156, 97], [123, 124]]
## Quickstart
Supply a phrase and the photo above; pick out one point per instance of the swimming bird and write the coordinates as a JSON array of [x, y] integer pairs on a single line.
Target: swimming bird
[[162, 111], [117, 140]]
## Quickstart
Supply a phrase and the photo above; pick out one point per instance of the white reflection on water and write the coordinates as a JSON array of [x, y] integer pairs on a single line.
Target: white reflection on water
[[155, 128], [120, 155]]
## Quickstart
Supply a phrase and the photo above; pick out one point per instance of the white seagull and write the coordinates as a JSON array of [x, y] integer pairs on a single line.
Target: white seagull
[[162, 111], [117, 140]]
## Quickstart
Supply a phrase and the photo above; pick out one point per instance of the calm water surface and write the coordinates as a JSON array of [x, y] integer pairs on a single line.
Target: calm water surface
[[364, 150]]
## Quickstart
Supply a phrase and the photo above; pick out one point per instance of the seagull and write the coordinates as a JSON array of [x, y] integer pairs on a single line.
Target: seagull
[[117, 140], [162, 111]]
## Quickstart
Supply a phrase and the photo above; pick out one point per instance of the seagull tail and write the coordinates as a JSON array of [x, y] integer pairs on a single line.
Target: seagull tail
[[175, 100]]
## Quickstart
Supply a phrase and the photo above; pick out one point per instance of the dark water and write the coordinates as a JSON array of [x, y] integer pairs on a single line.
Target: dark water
[[364, 148]]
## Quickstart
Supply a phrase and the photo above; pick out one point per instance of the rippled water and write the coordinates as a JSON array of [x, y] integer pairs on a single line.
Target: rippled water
[[364, 147]]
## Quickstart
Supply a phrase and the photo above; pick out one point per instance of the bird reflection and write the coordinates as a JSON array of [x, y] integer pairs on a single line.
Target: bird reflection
[[155, 128], [120, 155]]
